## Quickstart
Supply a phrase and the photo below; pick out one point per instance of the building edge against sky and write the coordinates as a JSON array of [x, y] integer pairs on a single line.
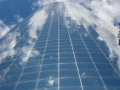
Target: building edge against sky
[[60, 46]]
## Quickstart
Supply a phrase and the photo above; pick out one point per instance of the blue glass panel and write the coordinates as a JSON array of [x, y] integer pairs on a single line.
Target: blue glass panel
[[91, 50], [39, 48], [100, 60], [8, 87], [80, 50], [31, 69], [68, 73], [113, 60], [50, 56], [113, 88], [14, 72], [104, 66], [49, 48], [84, 59], [64, 47], [50, 61], [51, 51], [4, 67], [97, 54], [68, 66], [92, 46], [26, 85], [81, 54], [66, 55], [67, 82], [50, 83], [2, 72], [51, 44], [65, 50], [49, 67], [86, 66], [112, 82], [78, 46], [66, 60], [108, 73], [88, 73], [94, 88], [6, 63], [48, 74], [54, 88], [35, 58], [29, 76], [17, 64], [9, 79], [64, 44], [52, 40], [92, 82], [70, 88], [33, 63]]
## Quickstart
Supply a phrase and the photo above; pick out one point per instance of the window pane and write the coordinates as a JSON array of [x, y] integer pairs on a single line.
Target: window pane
[[68, 73], [66, 82]]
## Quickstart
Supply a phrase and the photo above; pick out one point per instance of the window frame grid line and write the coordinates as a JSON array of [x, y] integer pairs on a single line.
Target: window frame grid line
[[22, 24], [89, 53], [14, 59], [81, 85], [58, 50], [28, 58], [17, 43], [104, 54], [43, 54], [93, 62], [14, 38], [100, 48]]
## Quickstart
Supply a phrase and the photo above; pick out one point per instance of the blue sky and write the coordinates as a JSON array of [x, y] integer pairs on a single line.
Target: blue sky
[[14, 11], [10, 8]]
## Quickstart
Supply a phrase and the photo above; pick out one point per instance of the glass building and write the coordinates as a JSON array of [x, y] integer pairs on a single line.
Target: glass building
[[60, 46]]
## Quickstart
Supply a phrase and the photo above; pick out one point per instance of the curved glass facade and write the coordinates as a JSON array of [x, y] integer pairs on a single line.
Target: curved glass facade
[[53, 50]]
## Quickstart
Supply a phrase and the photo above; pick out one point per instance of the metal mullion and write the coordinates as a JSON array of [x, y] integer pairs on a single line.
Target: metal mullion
[[20, 31], [12, 62], [75, 58], [28, 57], [14, 28], [43, 55], [104, 54], [92, 60], [16, 44], [90, 56], [58, 53]]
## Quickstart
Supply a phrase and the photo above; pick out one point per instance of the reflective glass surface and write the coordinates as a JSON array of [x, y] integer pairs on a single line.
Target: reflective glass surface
[[53, 49]]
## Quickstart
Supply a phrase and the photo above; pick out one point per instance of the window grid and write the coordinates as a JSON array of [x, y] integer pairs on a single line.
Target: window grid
[[52, 41], [92, 61], [75, 57], [28, 58], [43, 54], [104, 54], [17, 41], [58, 51], [90, 55], [12, 62]]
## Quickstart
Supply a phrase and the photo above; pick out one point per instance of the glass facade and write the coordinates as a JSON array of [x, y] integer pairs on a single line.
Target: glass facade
[[50, 51]]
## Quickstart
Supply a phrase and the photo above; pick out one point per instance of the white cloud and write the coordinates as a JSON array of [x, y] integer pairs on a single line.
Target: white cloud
[[2, 0], [4, 28], [18, 18], [108, 10], [105, 9]]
